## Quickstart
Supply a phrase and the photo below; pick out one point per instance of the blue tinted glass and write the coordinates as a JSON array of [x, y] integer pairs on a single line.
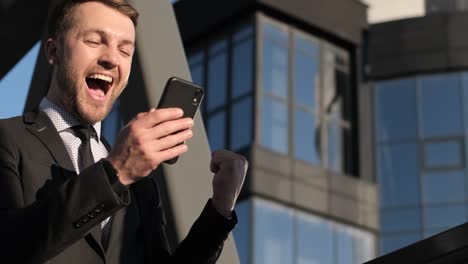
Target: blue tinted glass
[[197, 74], [305, 80], [464, 77], [364, 247], [314, 240], [242, 33], [112, 124], [275, 32], [217, 131], [218, 46], [443, 186], [241, 126], [391, 243], [444, 216], [275, 68], [195, 58], [242, 68], [243, 230], [397, 220], [274, 125], [443, 154], [344, 246], [396, 110], [216, 88], [305, 137], [273, 238], [334, 144], [398, 174], [440, 105], [305, 45], [15, 85]]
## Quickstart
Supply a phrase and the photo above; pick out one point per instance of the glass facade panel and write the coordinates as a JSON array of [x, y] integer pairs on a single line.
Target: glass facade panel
[[274, 125], [440, 105], [217, 79], [242, 232], [393, 242], [242, 68], [344, 246], [16, 83], [197, 74], [241, 124], [244, 32], [273, 245], [395, 110], [443, 187], [391, 220], [305, 137], [334, 143], [216, 129], [443, 154], [398, 174], [444, 216], [112, 124], [275, 68], [314, 240], [305, 80]]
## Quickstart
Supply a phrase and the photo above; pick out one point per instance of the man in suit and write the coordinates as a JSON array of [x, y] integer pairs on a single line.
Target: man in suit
[[65, 196]]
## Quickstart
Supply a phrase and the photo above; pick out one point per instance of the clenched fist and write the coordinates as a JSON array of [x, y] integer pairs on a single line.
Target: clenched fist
[[229, 169]]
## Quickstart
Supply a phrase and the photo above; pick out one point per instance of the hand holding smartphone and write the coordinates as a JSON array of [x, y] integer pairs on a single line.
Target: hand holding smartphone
[[181, 94]]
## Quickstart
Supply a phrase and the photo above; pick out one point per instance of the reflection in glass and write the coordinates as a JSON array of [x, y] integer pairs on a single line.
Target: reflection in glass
[[393, 242], [273, 242], [241, 124], [216, 87], [391, 220], [443, 187], [197, 74], [242, 33], [275, 68], [242, 68], [274, 125], [195, 58], [314, 240], [442, 154], [306, 146], [440, 105], [344, 245], [444, 216], [305, 44], [243, 230], [305, 80], [398, 174], [395, 105], [334, 143], [275, 32], [216, 129]]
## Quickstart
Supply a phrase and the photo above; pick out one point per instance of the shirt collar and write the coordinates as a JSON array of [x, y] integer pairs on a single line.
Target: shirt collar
[[62, 119]]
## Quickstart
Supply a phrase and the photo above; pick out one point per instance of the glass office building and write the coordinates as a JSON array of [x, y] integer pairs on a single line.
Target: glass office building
[[284, 95]]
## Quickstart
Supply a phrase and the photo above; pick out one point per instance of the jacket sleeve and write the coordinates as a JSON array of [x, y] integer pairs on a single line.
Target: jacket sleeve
[[205, 239], [36, 232]]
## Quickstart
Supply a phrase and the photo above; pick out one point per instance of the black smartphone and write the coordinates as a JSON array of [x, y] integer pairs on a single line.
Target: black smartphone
[[182, 94]]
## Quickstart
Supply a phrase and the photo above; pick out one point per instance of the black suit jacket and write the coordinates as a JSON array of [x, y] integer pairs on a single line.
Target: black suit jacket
[[48, 214]]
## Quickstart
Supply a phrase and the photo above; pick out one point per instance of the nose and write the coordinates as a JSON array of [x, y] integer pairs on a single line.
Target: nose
[[109, 59]]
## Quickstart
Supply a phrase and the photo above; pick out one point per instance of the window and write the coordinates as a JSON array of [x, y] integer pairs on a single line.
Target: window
[[217, 76], [112, 124], [241, 123], [217, 131], [274, 125]]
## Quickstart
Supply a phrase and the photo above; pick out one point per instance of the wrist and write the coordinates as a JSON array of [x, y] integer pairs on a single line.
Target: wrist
[[223, 207], [119, 172]]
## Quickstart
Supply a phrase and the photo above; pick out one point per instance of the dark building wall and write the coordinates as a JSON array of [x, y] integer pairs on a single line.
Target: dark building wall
[[426, 44], [195, 20]]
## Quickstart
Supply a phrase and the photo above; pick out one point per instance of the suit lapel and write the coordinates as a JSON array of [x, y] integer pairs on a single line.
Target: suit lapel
[[39, 124]]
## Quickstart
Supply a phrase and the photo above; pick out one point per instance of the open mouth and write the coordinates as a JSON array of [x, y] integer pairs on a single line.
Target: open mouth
[[99, 85]]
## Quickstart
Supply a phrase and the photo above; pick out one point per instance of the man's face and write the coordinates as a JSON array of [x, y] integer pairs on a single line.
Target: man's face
[[93, 61]]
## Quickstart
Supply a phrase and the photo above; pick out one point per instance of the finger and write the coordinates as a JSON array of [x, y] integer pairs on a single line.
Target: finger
[[173, 140], [170, 127], [153, 118], [171, 153]]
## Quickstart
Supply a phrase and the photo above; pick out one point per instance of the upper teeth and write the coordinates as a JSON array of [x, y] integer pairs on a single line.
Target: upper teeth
[[101, 77]]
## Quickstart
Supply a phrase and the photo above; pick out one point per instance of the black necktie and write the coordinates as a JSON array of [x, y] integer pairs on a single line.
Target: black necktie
[[85, 159], [85, 156]]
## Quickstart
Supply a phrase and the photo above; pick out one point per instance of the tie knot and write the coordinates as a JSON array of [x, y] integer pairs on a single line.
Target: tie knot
[[82, 131]]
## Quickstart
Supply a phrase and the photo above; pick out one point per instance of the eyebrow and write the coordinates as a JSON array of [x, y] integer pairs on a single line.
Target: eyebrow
[[104, 33]]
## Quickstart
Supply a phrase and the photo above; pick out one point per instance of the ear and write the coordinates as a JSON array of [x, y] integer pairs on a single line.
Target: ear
[[51, 51]]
